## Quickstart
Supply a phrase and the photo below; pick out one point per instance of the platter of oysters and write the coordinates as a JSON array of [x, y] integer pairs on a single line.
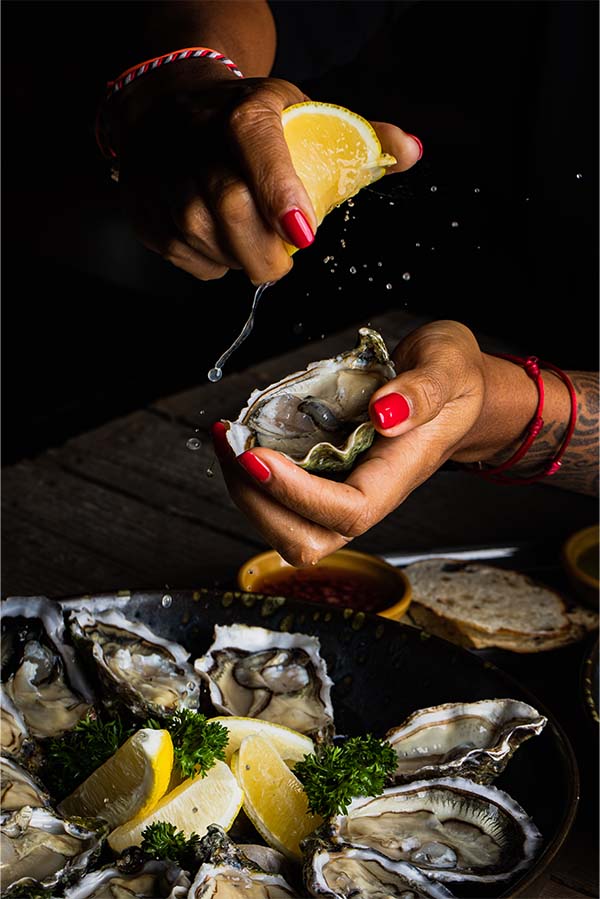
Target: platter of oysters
[[478, 790]]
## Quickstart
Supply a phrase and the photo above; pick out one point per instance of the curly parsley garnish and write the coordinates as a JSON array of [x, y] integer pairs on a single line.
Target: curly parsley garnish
[[196, 744], [335, 775], [163, 841]]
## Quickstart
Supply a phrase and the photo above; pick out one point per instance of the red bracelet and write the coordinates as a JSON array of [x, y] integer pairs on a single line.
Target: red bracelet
[[142, 68], [532, 366]]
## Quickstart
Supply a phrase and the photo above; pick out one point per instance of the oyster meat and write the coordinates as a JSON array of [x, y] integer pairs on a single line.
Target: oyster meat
[[42, 680], [343, 872], [319, 417], [468, 739], [227, 872], [14, 737], [142, 880], [257, 673], [450, 828], [145, 672], [40, 849], [19, 788]]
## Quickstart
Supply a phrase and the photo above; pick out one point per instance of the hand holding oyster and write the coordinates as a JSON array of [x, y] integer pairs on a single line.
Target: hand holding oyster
[[319, 417]]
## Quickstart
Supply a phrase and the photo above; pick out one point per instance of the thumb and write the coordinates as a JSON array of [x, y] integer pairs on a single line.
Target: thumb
[[410, 400], [406, 148]]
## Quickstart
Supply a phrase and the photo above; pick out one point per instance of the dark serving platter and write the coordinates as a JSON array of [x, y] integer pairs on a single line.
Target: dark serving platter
[[382, 671]]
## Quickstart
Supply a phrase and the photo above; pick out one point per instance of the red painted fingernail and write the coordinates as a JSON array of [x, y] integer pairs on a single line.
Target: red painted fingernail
[[219, 436], [297, 229], [254, 466], [390, 410], [416, 139]]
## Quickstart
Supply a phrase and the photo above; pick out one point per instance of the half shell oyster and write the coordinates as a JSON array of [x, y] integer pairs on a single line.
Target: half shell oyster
[[470, 739], [145, 672], [19, 788], [257, 673], [319, 417], [145, 880], [451, 828]]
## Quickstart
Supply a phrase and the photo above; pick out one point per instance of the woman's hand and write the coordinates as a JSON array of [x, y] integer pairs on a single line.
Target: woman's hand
[[206, 174], [425, 415]]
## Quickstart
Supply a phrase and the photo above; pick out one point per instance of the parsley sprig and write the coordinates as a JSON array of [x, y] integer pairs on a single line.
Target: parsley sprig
[[162, 840], [196, 744], [334, 775]]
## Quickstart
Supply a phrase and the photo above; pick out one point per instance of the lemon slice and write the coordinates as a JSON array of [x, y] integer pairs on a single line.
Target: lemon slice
[[291, 745], [129, 783], [274, 799], [191, 807], [335, 152]]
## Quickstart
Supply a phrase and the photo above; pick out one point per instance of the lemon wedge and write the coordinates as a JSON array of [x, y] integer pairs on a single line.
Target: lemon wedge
[[191, 807], [335, 152], [129, 783], [274, 799], [291, 745]]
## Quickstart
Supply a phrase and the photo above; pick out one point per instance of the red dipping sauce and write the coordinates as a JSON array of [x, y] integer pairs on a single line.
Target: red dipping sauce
[[329, 585]]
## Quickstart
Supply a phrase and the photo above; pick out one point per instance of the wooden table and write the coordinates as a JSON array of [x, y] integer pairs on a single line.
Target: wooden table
[[128, 505]]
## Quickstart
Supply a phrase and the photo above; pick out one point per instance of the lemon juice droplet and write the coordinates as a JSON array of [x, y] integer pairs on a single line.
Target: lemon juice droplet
[[166, 601], [579, 176], [193, 443], [215, 374], [388, 286], [406, 275], [433, 188], [455, 224]]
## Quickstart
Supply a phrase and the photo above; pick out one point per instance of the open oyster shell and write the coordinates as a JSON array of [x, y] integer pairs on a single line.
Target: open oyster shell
[[344, 872], [42, 681], [228, 871], [19, 788], [145, 672], [257, 673], [319, 417], [41, 850], [146, 880], [468, 739], [451, 828]]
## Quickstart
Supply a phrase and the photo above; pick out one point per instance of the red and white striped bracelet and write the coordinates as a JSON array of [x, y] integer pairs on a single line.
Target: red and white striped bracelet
[[150, 65]]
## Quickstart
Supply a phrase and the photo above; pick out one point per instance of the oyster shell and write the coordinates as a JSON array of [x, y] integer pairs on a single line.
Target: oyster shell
[[19, 788], [14, 736], [450, 828], [228, 871], [319, 417], [471, 739], [145, 672], [42, 679], [144, 880], [257, 673], [41, 850], [341, 872]]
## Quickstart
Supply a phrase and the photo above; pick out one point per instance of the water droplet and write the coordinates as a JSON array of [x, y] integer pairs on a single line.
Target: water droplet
[[370, 279], [388, 286], [475, 190], [166, 601], [193, 443], [454, 224], [332, 270], [352, 270], [210, 473], [322, 337], [364, 265], [392, 203], [351, 202], [379, 264], [201, 412], [340, 287], [343, 243], [406, 276], [527, 199], [215, 374], [433, 188], [579, 176], [478, 248], [298, 328], [433, 248], [417, 245]]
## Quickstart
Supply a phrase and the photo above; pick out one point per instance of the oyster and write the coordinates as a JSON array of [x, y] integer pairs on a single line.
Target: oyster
[[341, 872], [227, 871], [319, 417], [14, 736], [257, 673], [42, 679], [142, 880], [19, 788], [472, 739], [145, 672], [41, 850], [450, 828]]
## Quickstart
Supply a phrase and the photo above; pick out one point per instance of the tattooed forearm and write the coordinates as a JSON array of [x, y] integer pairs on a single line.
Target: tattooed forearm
[[579, 469]]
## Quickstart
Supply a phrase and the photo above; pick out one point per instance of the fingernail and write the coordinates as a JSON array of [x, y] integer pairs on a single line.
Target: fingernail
[[417, 141], [219, 436], [390, 410], [254, 466], [297, 229]]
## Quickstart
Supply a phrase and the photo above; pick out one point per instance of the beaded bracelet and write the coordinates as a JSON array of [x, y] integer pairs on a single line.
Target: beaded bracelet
[[142, 68], [532, 367]]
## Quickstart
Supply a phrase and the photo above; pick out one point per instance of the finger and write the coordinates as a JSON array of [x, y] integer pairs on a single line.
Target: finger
[[197, 226], [248, 237], [406, 148], [258, 134], [299, 541]]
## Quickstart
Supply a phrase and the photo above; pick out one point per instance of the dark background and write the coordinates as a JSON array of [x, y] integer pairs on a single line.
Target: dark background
[[497, 226]]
